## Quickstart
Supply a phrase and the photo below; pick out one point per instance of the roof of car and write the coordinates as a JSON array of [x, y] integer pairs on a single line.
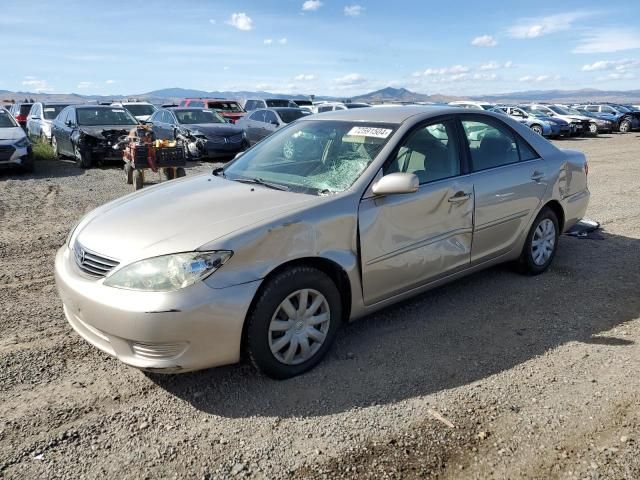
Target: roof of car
[[281, 109], [394, 114]]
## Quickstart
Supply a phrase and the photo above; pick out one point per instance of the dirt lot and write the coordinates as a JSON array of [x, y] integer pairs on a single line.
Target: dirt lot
[[539, 376]]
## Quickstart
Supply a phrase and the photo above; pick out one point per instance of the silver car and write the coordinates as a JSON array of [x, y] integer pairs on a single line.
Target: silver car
[[41, 119], [270, 254]]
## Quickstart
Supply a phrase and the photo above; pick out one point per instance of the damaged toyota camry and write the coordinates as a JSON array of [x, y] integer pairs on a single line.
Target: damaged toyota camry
[[271, 254], [88, 134], [202, 133]]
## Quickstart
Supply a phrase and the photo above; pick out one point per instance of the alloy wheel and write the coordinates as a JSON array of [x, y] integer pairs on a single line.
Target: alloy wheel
[[537, 129], [543, 242], [299, 326]]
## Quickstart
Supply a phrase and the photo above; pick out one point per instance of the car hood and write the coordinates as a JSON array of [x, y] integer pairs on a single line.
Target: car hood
[[105, 131], [581, 118], [142, 118], [11, 134], [213, 129], [180, 216]]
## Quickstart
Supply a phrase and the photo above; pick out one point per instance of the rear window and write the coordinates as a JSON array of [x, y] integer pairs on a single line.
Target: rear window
[[140, 109], [278, 103], [25, 108], [289, 116], [231, 107], [50, 112]]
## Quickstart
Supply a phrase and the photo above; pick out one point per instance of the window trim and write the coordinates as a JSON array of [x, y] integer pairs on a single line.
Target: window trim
[[462, 156], [489, 120]]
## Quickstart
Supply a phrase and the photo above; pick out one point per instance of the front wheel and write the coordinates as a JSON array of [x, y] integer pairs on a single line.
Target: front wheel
[[83, 157], [54, 146], [537, 129], [625, 126], [293, 323], [593, 129], [541, 244]]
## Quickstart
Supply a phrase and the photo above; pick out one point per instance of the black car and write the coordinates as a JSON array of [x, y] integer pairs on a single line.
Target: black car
[[88, 133], [263, 122], [203, 133]]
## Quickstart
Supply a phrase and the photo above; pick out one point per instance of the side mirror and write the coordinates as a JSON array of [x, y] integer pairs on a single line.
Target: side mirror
[[396, 183], [275, 123], [68, 123]]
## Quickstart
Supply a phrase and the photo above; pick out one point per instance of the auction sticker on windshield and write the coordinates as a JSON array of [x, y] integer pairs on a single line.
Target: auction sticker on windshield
[[369, 132]]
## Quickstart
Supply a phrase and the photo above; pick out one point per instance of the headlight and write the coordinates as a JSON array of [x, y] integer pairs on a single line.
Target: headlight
[[22, 143], [168, 272]]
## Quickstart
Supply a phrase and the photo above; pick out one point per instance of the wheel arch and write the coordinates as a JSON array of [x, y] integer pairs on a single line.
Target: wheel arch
[[556, 207], [331, 268]]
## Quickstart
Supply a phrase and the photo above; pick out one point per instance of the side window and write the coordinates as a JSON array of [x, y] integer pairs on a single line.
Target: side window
[[35, 111], [592, 108], [169, 118], [197, 104], [258, 116], [430, 152], [324, 109], [270, 117], [71, 116], [606, 109], [491, 146], [250, 105]]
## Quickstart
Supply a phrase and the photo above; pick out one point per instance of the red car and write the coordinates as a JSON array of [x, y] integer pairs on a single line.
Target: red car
[[227, 109], [20, 112]]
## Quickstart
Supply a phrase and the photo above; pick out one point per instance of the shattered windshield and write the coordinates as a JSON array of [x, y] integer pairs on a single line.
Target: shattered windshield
[[104, 116], [313, 156]]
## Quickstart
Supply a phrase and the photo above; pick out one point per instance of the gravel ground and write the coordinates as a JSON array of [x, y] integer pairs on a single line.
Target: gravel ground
[[494, 376]]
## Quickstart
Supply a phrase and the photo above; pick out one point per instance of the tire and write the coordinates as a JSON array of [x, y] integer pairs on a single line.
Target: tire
[[593, 129], [537, 128], [545, 232], [625, 126], [169, 173], [128, 173], [83, 159], [28, 166], [54, 145], [180, 172], [138, 180], [266, 340]]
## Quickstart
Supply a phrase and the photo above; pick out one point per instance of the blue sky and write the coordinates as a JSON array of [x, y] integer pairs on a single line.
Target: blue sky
[[324, 47]]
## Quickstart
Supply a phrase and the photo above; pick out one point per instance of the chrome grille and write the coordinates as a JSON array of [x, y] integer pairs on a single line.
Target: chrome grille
[[92, 263]]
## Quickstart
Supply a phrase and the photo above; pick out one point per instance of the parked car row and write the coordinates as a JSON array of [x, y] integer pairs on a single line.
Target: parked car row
[[557, 120]]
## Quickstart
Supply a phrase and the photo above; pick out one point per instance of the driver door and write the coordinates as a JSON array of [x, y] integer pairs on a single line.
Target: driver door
[[411, 239]]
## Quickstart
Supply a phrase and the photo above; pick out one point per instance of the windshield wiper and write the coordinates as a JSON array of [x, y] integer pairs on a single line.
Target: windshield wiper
[[260, 181]]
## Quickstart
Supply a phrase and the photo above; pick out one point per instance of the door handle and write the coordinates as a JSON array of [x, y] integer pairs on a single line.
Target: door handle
[[460, 197], [537, 176]]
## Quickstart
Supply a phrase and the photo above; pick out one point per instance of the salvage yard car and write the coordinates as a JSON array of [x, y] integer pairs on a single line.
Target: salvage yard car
[[203, 133], [140, 110], [228, 109], [539, 124], [270, 255], [15, 149], [88, 133], [40, 119], [261, 123]]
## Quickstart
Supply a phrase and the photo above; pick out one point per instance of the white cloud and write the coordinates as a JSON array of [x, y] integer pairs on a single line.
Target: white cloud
[[534, 79], [241, 21], [268, 41], [37, 85], [484, 41], [350, 80], [616, 76], [609, 40], [495, 65], [282, 41], [455, 69], [304, 78], [226, 67], [311, 5], [353, 10], [537, 27], [484, 76], [85, 85], [212, 21], [110, 82]]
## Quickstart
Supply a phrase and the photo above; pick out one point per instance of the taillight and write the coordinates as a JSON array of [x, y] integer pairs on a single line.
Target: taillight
[[21, 118]]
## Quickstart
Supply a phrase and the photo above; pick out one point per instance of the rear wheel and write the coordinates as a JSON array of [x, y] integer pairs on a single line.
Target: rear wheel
[[169, 173], [293, 322], [541, 244], [54, 146]]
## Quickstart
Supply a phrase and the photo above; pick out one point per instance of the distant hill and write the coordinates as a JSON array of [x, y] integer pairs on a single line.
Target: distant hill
[[385, 95], [390, 94]]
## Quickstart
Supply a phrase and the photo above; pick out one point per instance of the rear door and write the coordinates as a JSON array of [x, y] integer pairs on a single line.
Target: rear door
[[509, 180], [255, 125], [412, 239], [271, 123]]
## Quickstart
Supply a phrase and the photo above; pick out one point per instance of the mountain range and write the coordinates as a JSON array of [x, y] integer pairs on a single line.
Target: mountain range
[[385, 95]]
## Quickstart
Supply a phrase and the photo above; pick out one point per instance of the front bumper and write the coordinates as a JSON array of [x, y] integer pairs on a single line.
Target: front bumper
[[190, 329], [12, 156]]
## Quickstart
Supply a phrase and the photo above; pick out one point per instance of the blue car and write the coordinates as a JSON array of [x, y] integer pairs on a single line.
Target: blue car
[[541, 124]]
